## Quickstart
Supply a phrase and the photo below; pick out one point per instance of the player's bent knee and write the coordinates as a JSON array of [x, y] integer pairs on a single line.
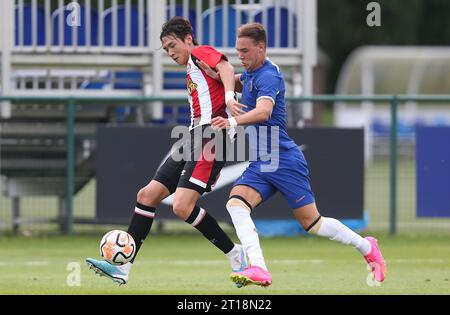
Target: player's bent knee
[[146, 197], [180, 210], [238, 201], [141, 196], [314, 227]]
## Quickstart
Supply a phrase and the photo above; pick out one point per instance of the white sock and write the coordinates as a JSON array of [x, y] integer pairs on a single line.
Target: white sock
[[233, 252], [126, 267], [234, 256], [336, 231], [246, 231]]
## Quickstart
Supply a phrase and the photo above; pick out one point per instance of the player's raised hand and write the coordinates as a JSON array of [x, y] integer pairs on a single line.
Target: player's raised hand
[[208, 70], [218, 123]]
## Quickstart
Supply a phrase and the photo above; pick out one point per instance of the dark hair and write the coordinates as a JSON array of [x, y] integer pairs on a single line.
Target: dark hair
[[254, 31], [178, 27]]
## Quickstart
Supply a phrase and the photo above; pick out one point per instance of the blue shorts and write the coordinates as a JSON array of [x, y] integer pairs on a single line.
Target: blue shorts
[[291, 178]]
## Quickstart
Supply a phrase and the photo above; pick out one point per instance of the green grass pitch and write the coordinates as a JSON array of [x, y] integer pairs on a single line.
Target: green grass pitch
[[188, 264]]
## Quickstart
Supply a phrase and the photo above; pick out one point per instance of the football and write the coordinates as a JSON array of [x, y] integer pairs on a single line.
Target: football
[[117, 247]]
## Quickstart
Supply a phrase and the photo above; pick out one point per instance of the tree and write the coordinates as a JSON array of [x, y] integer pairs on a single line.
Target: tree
[[342, 27]]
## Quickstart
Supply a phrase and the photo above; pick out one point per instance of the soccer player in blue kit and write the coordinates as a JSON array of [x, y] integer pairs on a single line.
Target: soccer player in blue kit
[[263, 105]]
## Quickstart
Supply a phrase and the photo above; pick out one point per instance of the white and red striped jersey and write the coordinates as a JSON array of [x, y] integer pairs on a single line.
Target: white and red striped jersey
[[206, 95]]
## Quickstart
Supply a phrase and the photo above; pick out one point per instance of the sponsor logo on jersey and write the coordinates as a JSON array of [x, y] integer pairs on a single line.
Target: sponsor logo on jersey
[[191, 86]]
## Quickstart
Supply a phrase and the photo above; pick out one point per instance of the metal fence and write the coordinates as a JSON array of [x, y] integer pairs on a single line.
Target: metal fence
[[389, 198], [112, 47]]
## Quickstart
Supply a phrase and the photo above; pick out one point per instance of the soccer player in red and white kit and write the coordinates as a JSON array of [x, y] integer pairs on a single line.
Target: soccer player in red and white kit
[[187, 178]]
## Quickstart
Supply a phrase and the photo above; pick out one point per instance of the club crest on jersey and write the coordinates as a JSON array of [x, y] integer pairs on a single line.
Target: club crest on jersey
[[191, 86]]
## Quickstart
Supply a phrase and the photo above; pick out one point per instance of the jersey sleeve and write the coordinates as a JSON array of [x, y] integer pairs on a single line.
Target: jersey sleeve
[[268, 86], [208, 55]]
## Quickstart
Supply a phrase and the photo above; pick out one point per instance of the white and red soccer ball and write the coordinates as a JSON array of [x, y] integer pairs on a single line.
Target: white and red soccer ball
[[117, 247]]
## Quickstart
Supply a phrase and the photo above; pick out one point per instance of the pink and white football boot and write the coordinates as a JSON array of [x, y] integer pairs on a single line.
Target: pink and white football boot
[[252, 275], [376, 261]]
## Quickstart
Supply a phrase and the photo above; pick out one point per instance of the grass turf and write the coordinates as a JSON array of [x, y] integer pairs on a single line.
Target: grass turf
[[187, 264]]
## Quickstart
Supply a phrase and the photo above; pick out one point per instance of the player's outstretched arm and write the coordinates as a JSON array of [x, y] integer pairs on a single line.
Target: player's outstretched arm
[[208, 70], [260, 113], [226, 74], [224, 71], [215, 75], [237, 83]]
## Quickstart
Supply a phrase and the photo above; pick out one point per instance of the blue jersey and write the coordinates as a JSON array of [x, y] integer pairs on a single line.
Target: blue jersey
[[286, 171], [267, 82]]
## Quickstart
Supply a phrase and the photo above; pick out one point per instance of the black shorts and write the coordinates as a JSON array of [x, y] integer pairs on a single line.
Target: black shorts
[[200, 168]]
